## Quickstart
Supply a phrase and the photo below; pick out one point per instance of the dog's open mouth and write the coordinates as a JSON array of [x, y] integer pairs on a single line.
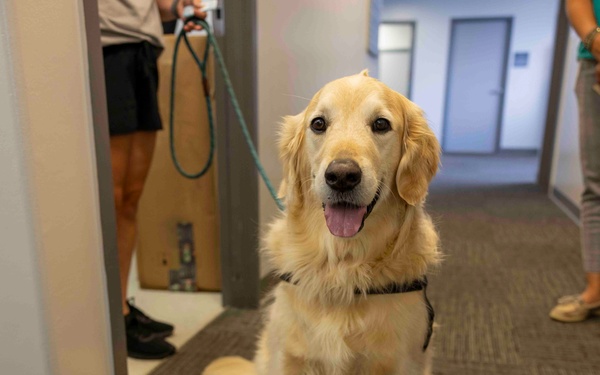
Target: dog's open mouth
[[346, 219]]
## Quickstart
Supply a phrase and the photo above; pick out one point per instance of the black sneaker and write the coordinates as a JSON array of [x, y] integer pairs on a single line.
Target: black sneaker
[[144, 344], [159, 329]]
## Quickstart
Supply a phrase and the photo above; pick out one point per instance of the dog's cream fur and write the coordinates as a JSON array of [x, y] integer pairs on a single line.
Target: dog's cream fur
[[318, 326]]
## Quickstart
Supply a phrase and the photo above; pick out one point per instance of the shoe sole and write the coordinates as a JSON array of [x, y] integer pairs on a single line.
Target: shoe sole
[[146, 356], [563, 319], [163, 335]]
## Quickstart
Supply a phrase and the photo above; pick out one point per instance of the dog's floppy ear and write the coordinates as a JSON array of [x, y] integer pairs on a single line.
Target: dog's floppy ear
[[291, 140], [420, 155]]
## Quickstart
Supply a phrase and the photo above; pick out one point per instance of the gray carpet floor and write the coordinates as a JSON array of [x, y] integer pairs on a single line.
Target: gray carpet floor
[[510, 252]]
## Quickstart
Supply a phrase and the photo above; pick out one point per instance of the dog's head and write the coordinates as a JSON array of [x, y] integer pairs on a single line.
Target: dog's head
[[356, 144]]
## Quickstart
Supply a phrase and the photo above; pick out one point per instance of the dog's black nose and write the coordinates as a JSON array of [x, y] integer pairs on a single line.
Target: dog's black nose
[[343, 175]]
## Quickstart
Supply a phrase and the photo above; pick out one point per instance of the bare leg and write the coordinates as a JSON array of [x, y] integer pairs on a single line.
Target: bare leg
[[131, 158], [592, 291]]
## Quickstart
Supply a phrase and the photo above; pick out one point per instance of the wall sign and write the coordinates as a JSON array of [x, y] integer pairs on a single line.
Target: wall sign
[[521, 59]]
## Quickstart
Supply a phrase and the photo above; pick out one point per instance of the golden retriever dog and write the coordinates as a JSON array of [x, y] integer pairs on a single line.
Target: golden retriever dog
[[354, 243]]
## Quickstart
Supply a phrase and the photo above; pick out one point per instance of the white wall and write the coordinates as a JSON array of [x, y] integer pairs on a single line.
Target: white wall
[[54, 317], [566, 169], [527, 88], [22, 315], [302, 45]]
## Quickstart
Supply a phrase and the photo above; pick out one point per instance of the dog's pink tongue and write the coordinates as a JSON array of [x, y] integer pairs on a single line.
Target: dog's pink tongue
[[344, 221]]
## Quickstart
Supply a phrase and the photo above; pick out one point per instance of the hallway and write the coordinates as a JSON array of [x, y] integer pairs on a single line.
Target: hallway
[[510, 252]]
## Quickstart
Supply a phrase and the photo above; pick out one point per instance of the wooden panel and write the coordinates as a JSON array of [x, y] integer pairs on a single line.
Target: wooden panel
[[170, 199]]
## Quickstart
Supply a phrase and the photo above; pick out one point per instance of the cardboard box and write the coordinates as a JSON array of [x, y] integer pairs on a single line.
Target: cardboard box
[[178, 218]]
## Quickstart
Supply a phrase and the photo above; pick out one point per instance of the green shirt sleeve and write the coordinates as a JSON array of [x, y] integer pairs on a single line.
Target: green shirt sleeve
[[583, 52]]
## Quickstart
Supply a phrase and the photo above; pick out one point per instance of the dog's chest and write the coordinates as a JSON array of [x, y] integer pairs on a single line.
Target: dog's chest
[[384, 326]]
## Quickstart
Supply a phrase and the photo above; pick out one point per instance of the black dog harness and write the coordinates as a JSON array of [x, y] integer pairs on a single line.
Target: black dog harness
[[394, 288]]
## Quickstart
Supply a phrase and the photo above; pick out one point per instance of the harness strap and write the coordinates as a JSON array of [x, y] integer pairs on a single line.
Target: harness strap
[[395, 288]]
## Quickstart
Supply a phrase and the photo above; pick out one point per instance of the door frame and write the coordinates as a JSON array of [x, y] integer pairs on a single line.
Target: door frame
[[561, 39], [238, 202], [453, 23], [411, 50], [105, 185], [236, 34]]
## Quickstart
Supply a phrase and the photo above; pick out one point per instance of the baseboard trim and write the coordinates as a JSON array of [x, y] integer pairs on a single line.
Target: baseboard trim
[[519, 151], [501, 152], [565, 204]]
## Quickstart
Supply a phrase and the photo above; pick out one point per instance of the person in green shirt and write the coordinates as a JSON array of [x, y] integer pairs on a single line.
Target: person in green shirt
[[584, 16]]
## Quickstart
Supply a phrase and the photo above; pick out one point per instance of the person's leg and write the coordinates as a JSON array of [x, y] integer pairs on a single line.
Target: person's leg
[[120, 146], [589, 139], [576, 308], [132, 156], [591, 293]]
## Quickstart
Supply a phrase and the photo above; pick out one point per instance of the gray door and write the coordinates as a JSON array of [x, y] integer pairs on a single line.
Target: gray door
[[475, 92]]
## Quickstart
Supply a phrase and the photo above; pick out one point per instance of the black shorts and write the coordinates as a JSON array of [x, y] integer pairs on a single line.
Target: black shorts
[[131, 87]]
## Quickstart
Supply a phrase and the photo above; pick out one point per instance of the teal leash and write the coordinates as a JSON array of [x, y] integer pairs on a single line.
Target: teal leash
[[240, 116], [202, 65]]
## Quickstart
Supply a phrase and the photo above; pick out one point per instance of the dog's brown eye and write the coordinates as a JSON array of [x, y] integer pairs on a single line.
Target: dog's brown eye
[[318, 125], [381, 125]]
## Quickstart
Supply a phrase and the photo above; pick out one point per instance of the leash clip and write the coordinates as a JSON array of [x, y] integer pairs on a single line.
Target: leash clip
[[205, 86]]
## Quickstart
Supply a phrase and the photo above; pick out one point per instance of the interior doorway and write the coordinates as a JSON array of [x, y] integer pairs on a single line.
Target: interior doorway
[[396, 51], [477, 65], [238, 180]]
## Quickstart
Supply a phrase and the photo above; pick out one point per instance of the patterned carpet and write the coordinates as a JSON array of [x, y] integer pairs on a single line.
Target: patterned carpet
[[510, 252], [233, 333]]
